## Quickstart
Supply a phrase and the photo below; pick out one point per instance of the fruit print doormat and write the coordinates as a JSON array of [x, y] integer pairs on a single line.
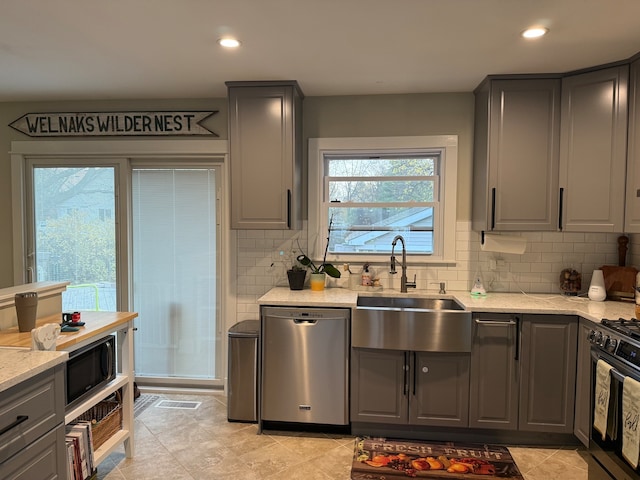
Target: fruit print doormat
[[384, 458]]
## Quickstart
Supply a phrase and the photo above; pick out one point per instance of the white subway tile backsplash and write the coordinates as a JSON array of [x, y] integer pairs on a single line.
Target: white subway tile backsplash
[[542, 267], [551, 237], [254, 233], [562, 247], [572, 237], [260, 265], [584, 247], [246, 243], [552, 257]]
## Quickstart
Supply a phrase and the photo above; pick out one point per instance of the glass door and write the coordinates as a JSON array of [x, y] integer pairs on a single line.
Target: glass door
[[73, 232], [175, 274]]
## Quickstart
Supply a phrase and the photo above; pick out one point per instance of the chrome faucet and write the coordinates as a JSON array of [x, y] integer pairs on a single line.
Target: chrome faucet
[[403, 278]]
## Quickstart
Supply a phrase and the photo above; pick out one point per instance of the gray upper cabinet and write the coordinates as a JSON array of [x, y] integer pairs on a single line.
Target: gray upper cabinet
[[632, 205], [593, 147], [265, 145], [548, 370], [494, 372], [516, 154]]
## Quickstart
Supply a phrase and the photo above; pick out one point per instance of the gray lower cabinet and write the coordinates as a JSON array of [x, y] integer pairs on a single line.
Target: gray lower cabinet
[[404, 387], [548, 373], [439, 393], [378, 386], [523, 372], [582, 426], [39, 460], [494, 388], [32, 443]]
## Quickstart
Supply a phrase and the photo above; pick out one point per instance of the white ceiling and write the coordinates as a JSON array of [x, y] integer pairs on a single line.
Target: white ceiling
[[141, 49]]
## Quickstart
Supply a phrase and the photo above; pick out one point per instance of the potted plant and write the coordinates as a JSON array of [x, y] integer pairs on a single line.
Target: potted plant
[[296, 276], [318, 271]]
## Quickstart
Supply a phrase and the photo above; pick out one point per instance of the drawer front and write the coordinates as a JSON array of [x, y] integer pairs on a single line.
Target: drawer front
[[29, 410], [43, 459]]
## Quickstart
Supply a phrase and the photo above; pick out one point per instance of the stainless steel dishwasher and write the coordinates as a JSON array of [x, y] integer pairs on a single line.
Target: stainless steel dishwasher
[[305, 365]]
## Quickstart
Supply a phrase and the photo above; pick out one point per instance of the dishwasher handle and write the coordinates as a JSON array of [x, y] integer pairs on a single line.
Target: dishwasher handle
[[296, 318], [304, 321]]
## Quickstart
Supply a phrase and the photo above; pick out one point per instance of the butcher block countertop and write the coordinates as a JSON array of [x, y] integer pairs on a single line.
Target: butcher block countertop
[[95, 324], [555, 304]]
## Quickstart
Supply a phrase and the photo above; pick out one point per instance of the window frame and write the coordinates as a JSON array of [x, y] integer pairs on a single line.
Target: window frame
[[447, 145]]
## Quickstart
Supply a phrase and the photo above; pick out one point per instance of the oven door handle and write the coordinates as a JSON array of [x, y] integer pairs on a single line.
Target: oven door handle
[[614, 373]]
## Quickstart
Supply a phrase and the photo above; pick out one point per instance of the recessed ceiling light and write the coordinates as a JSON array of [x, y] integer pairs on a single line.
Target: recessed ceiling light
[[534, 32], [229, 42]]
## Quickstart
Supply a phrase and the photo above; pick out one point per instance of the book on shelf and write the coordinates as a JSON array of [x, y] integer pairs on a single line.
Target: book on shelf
[[71, 473], [77, 461], [85, 427], [80, 437]]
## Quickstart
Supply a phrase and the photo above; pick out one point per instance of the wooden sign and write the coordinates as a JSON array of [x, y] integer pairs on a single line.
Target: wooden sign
[[97, 124]]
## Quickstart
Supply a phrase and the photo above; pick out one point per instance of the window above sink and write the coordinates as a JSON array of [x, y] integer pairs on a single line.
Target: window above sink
[[376, 188]]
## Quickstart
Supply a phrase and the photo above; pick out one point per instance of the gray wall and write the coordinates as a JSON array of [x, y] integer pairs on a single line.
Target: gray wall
[[398, 115], [349, 116], [12, 111]]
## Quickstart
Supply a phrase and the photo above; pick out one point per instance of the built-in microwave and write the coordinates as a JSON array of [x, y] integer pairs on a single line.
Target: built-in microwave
[[89, 368]]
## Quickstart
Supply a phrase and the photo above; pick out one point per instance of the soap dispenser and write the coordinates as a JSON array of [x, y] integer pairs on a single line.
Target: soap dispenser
[[478, 289]]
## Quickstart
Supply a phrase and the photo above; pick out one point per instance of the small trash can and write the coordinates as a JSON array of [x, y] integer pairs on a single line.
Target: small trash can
[[242, 379]]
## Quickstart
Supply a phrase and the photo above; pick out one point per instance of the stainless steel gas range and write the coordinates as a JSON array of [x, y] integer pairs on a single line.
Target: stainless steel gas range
[[617, 342]]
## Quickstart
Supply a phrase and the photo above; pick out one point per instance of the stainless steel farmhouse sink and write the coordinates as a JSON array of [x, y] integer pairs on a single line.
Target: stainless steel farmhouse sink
[[411, 323], [410, 302]]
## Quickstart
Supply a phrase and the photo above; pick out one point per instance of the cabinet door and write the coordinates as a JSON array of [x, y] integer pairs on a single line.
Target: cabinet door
[[33, 407], [379, 386], [44, 458], [582, 427], [516, 160], [548, 373], [439, 389], [593, 149], [264, 155], [632, 205], [494, 383]]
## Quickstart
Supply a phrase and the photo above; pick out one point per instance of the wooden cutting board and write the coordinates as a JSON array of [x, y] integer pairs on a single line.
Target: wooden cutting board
[[620, 281]]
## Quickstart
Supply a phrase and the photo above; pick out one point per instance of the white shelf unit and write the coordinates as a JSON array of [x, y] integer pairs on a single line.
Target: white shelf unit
[[124, 379]]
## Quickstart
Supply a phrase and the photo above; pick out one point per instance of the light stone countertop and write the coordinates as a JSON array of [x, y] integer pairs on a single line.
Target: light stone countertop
[[20, 364], [494, 302]]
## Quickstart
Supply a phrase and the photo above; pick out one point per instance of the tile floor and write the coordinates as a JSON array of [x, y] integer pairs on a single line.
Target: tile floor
[[202, 445]]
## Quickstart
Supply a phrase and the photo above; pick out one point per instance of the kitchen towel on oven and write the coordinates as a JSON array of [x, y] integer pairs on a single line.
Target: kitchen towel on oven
[[630, 417], [601, 400], [613, 419]]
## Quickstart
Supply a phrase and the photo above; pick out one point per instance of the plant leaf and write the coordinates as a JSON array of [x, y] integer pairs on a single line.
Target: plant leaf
[[331, 270]]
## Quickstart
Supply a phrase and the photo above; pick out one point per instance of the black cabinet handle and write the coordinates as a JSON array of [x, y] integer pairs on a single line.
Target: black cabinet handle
[[493, 208], [288, 208], [415, 372], [19, 419], [518, 335], [405, 367], [560, 207]]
